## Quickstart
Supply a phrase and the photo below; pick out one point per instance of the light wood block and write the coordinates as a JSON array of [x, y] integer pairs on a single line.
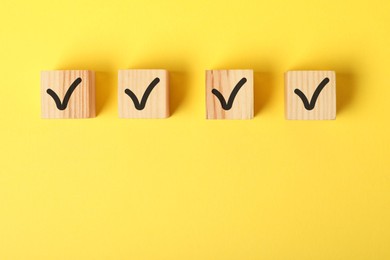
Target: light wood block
[[310, 95], [143, 94], [229, 94], [68, 94]]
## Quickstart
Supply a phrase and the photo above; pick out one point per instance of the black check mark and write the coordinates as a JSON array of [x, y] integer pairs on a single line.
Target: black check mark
[[137, 104], [64, 104], [228, 105], [311, 105]]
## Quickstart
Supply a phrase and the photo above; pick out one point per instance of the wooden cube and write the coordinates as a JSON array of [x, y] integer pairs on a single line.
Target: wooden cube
[[68, 94], [143, 94], [229, 94], [310, 95]]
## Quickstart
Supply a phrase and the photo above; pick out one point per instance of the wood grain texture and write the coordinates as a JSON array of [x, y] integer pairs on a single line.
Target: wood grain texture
[[225, 81], [157, 103], [82, 101], [307, 82]]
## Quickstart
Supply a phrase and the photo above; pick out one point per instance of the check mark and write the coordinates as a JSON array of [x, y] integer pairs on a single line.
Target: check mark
[[64, 104], [311, 105], [228, 105], [141, 105]]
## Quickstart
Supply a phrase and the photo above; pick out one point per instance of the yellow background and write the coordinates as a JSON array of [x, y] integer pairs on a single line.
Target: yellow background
[[185, 187]]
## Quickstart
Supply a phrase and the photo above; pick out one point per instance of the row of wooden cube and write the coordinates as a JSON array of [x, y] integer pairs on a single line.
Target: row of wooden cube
[[144, 94]]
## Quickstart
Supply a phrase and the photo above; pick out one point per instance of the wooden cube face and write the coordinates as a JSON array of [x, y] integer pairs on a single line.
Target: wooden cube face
[[310, 95], [68, 94], [143, 94], [229, 94]]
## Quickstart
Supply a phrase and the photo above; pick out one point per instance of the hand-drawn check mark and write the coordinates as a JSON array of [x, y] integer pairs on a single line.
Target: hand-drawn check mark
[[64, 104], [229, 104], [310, 106], [137, 104]]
